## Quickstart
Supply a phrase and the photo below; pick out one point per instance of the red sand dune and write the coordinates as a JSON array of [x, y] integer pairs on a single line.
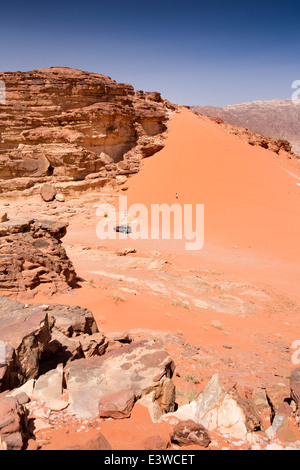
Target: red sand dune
[[250, 194]]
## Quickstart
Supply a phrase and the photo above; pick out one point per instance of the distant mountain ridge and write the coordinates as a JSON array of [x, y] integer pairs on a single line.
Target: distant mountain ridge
[[278, 119]]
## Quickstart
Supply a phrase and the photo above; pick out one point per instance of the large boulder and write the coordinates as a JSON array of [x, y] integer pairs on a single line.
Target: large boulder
[[48, 192], [93, 383], [188, 432]]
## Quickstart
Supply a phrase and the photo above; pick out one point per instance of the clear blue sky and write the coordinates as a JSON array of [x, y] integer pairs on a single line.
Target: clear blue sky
[[193, 52]]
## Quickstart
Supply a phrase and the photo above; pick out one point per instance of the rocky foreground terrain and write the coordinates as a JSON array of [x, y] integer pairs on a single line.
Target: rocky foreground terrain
[[138, 344], [278, 119], [61, 372]]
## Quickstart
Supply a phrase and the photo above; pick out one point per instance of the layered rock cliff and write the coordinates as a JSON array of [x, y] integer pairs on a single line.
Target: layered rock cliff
[[62, 124]]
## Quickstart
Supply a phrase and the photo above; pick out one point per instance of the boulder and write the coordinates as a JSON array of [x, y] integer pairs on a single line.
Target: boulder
[[48, 192], [3, 217], [139, 367], [188, 432]]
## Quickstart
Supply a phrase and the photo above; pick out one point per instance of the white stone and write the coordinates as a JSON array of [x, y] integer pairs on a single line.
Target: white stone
[[60, 198]]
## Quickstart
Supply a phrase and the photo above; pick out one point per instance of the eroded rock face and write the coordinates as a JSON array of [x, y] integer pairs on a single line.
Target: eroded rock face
[[62, 124], [32, 255]]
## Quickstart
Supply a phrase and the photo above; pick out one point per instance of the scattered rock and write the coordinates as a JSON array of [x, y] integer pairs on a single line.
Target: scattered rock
[[40, 424], [3, 217], [125, 251], [59, 197], [188, 432], [22, 398], [32, 445]]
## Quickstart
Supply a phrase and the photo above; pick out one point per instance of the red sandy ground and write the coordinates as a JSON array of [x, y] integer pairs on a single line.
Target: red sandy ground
[[252, 234]]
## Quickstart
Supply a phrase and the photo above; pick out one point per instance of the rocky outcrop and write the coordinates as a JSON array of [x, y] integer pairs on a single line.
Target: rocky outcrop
[[32, 255], [61, 124], [46, 350], [277, 119], [29, 338], [103, 376]]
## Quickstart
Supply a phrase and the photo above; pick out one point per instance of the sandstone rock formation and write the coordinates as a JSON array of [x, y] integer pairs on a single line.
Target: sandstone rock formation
[[58, 367], [49, 349], [278, 119], [32, 255], [61, 124], [28, 338]]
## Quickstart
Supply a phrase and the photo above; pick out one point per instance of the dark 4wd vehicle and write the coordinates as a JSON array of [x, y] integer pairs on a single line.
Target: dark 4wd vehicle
[[123, 229]]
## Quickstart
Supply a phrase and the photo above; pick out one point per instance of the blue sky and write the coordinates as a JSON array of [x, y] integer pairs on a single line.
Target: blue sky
[[193, 52]]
